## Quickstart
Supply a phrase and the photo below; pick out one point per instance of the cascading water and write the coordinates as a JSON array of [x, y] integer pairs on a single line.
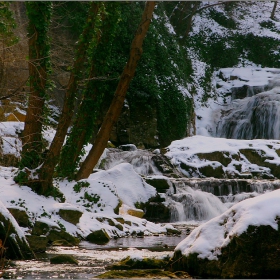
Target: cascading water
[[196, 199], [255, 117]]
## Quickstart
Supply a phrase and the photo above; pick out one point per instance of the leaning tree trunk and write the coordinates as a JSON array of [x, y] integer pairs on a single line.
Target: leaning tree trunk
[[119, 97], [38, 74], [47, 170]]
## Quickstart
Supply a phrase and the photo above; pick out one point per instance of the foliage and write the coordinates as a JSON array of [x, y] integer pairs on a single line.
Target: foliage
[[7, 24], [222, 19], [79, 185], [163, 68], [101, 83]]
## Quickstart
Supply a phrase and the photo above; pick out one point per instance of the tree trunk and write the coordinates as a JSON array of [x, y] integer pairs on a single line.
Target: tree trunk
[[120, 93], [52, 157], [273, 10], [38, 75]]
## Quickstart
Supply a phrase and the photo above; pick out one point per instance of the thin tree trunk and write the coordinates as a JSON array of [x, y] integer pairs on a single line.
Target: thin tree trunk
[[52, 157], [273, 10], [119, 97], [38, 60]]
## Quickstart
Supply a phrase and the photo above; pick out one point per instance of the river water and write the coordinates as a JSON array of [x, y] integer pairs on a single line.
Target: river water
[[94, 258]]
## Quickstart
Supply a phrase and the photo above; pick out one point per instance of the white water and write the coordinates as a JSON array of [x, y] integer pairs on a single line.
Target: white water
[[255, 117]]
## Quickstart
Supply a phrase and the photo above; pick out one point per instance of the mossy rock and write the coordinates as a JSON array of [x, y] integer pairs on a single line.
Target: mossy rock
[[120, 220], [16, 245], [63, 259], [70, 215], [145, 263], [212, 171], [37, 243], [161, 184], [42, 228], [139, 213], [21, 216], [254, 157], [55, 235], [171, 231], [99, 237], [253, 254], [144, 274], [222, 157]]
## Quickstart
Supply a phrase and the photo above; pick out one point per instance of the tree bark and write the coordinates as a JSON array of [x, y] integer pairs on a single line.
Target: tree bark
[[52, 157], [120, 93]]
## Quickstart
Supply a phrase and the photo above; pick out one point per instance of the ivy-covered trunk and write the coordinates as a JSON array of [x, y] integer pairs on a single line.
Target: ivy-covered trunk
[[47, 170], [102, 80], [39, 14], [120, 93]]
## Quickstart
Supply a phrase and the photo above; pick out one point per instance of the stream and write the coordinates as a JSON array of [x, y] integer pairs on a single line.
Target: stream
[[94, 258]]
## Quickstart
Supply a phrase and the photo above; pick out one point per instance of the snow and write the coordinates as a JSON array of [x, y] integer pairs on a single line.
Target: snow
[[98, 199], [208, 239], [186, 150]]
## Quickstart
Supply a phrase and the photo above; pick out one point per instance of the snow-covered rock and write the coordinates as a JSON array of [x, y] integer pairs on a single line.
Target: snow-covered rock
[[242, 242]]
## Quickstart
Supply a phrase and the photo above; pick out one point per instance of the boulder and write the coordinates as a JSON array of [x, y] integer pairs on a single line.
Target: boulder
[[63, 259], [254, 254], [38, 244], [139, 213], [243, 242], [70, 215], [21, 216], [99, 237], [43, 228], [12, 238], [61, 235]]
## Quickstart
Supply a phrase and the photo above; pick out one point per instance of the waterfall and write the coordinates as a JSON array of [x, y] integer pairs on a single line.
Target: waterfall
[[256, 117], [141, 160]]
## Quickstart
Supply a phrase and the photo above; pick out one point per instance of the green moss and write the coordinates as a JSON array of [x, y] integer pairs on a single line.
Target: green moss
[[145, 263], [149, 273], [63, 259]]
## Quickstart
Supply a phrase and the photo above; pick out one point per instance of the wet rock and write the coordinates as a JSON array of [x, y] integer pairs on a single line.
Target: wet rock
[[70, 215], [128, 147], [99, 237], [161, 184], [21, 216], [63, 259]]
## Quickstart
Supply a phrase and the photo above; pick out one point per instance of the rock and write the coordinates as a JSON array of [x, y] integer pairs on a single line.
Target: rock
[[70, 215], [120, 220], [145, 263], [143, 274], [243, 242], [63, 259], [55, 235], [171, 231], [42, 228], [161, 184], [128, 147], [253, 254], [135, 212], [99, 237], [12, 237], [38, 244], [21, 216]]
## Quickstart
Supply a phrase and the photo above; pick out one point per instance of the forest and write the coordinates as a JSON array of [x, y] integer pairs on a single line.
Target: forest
[[122, 118]]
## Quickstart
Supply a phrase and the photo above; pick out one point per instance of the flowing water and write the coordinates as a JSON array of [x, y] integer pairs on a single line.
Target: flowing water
[[94, 258]]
